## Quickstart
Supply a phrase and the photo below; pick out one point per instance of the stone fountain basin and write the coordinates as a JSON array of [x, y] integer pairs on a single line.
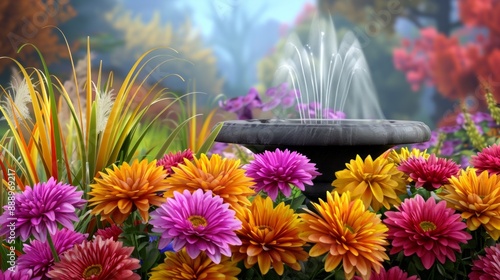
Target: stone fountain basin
[[330, 144]]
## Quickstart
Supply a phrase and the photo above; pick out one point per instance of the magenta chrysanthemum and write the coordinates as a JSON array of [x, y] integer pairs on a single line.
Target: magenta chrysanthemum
[[38, 255], [275, 171], [40, 209], [112, 232], [488, 266], [426, 228], [100, 259], [394, 273], [16, 274], [197, 221], [430, 173], [174, 159], [487, 159]]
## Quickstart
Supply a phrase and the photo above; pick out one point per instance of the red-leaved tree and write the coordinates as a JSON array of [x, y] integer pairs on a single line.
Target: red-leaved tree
[[458, 63]]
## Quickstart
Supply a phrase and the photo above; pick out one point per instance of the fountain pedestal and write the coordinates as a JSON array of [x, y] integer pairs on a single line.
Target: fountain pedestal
[[330, 144]]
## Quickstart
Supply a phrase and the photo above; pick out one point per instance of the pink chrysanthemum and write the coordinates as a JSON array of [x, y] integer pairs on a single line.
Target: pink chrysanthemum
[[174, 159], [38, 256], [275, 171], [112, 232], [488, 266], [197, 221], [100, 259], [426, 228], [16, 274], [487, 159], [430, 173], [40, 209], [394, 273]]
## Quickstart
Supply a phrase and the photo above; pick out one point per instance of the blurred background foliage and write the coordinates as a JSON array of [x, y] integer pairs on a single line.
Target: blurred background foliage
[[226, 46]]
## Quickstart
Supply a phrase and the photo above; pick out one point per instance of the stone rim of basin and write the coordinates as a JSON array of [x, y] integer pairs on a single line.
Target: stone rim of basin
[[347, 132]]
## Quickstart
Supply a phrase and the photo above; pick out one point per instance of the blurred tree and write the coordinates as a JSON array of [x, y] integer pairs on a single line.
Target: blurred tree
[[29, 22], [380, 15], [193, 60], [90, 22], [456, 63], [235, 37]]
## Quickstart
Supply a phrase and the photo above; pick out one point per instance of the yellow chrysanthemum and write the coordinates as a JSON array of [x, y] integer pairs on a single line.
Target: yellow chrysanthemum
[[348, 233], [269, 236], [179, 266], [477, 197], [376, 182], [404, 154], [119, 191], [223, 177]]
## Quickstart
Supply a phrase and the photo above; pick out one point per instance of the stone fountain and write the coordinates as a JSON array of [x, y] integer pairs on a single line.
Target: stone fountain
[[334, 77]]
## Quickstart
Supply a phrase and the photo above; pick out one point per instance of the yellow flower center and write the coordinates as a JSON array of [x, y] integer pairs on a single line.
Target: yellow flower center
[[367, 177], [427, 226], [198, 221], [93, 270]]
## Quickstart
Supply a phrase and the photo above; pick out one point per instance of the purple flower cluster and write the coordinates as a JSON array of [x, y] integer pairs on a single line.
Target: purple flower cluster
[[242, 106], [456, 139], [314, 110], [280, 95]]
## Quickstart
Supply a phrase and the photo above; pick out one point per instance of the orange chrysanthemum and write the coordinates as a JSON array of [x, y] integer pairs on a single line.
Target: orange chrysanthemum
[[121, 190], [179, 266], [269, 236], [348, 233], [376, 182], [477, 197], [223, 177]]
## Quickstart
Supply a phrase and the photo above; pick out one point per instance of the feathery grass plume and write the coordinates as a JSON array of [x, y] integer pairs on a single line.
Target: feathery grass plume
[[104, 103], [478, 141], [17, 99]]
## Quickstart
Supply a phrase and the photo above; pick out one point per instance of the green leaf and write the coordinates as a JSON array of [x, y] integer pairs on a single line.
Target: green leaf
[[210, 140], [171, 138], [297, 202]]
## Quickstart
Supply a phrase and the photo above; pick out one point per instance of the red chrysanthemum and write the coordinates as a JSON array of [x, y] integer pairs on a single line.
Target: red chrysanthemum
[[174, 159], [488, 266], [112, 232], [430, 173], [100, 259], [487, 159], [426, 228]]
